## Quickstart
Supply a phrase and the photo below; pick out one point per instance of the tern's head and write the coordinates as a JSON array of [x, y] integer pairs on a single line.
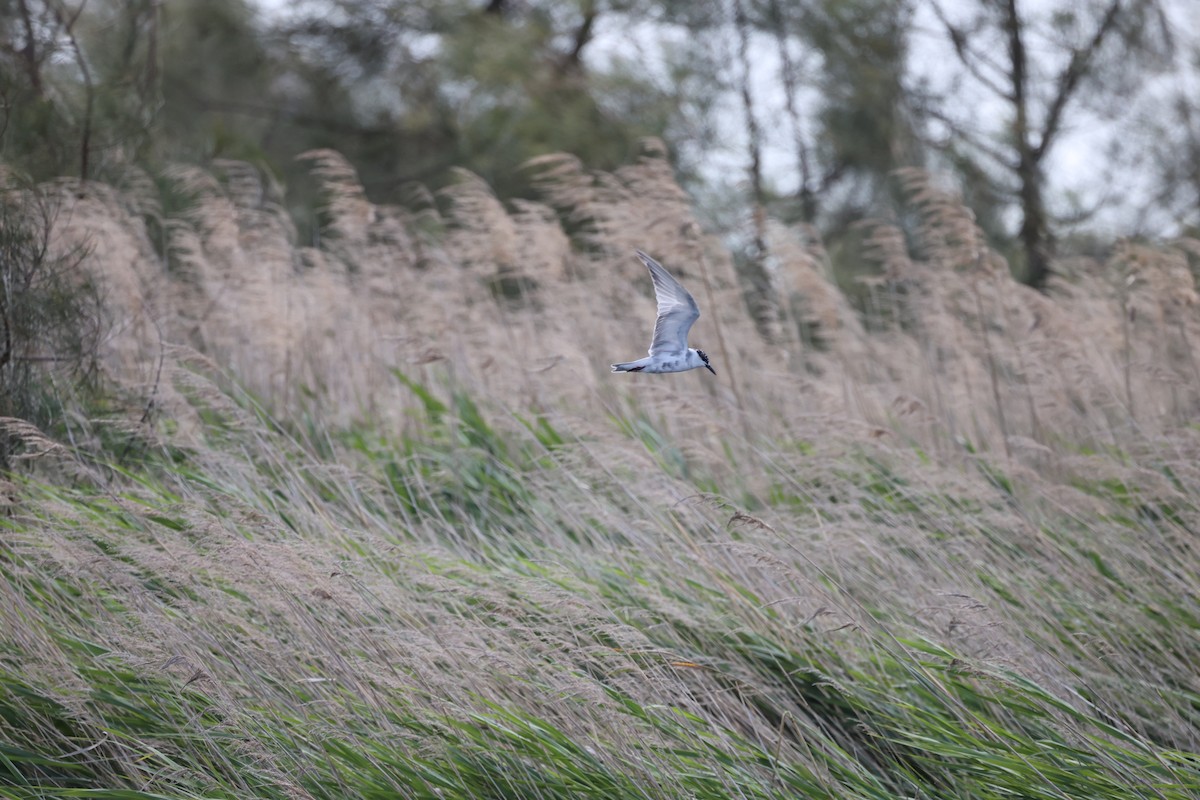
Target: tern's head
[[704, 358]]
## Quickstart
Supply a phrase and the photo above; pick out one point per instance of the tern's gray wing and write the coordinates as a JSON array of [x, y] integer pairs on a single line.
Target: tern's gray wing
[[677, 311]]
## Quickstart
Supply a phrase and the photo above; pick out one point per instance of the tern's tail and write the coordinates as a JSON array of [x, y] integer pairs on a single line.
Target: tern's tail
[[628, 366]]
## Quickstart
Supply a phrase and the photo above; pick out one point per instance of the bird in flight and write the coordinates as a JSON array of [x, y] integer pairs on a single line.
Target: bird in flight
[[677, 312]]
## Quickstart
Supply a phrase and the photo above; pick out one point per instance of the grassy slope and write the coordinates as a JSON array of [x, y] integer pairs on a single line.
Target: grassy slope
[[499, 619], [972, 576]]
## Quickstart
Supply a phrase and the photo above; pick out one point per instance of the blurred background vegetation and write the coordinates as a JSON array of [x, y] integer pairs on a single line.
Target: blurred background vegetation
[[1060, 121], [314, 482]]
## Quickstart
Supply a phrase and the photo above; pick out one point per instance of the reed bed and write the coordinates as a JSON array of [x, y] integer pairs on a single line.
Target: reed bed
[[384, 525]]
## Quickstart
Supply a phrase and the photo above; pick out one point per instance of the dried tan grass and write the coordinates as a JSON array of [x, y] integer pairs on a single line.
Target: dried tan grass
[[959, 349], [962, 372]]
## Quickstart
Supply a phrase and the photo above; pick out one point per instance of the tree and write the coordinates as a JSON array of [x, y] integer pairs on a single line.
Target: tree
[[90, 87], [1169, 142], [840, 112], [867, 126], [822, 80], [46, 89], [51, 320], [1044, 67], [1175, 152], [479, 85]]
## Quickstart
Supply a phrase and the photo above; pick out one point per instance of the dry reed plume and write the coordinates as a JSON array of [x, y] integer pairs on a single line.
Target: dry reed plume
[[503, 301]]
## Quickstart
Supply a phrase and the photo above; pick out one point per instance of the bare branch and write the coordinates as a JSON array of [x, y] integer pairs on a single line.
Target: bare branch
[[29, 52], [974, 139], [1017, 73], [752, 127], [583, 35], [1069, 80], [67, 22], [804, 192], [969, 57]]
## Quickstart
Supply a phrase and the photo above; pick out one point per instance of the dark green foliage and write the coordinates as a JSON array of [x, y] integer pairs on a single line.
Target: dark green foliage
[[36, 132], [460, 470], [868, 128], [51, 321]]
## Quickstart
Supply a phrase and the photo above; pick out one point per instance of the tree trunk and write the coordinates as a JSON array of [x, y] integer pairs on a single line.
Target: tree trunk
[[1035, 233], [804, 192], [29, 53], [572, 61], [1036, 239], [762, 301]]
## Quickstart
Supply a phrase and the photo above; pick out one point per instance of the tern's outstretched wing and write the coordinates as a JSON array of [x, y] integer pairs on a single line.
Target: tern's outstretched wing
[[677, 311]]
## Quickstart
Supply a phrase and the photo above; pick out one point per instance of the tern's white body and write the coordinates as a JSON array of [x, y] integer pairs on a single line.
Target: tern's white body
[[677, 312], [689, 360]]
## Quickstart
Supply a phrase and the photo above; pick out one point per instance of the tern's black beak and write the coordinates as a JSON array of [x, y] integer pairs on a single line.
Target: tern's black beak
[[710, 369]]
